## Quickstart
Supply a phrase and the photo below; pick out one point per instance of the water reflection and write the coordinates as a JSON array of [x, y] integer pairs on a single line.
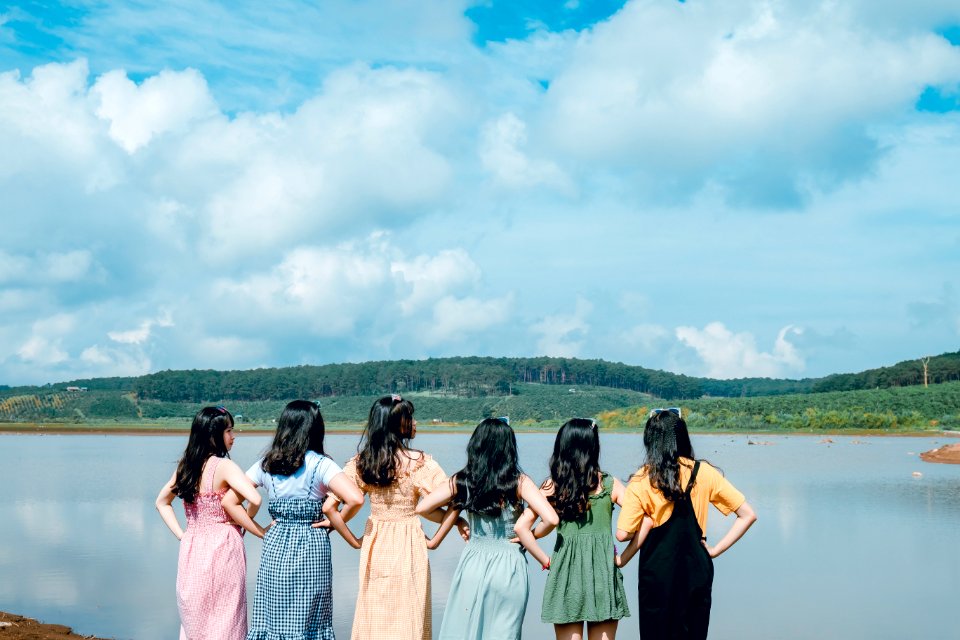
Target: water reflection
[[849, 543]]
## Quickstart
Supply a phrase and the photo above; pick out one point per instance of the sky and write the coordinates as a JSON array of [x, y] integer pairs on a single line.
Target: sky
[[715, 188]]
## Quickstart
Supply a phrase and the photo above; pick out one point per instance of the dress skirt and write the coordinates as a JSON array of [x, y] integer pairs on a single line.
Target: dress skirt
[[294, 599]]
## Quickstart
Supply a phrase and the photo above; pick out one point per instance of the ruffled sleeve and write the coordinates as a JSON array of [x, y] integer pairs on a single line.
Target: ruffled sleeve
[[350, 470], [429, 476]]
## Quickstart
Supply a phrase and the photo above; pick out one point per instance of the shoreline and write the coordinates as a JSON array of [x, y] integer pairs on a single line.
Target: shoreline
[[16, 627], [21, 428]]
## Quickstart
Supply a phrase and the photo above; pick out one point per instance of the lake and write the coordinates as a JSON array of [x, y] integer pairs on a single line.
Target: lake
[[849, 543]]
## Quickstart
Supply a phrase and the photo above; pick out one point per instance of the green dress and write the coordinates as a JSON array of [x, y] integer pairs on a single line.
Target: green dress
[[584, 584]]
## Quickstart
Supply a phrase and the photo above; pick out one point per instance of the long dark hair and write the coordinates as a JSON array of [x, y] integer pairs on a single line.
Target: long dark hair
[[206, 439], [666, 439], [387, 434], [299, 429], [574, 467], [489, 481]]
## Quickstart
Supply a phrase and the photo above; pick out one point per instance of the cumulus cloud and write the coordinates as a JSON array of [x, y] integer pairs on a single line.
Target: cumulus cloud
[[563, 334], [168, 101], [763, 99], [456, 318], [44, 346], [430, 277], [735, 355], [142, 333], [502, 154]]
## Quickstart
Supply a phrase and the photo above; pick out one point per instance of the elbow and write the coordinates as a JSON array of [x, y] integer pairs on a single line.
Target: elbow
[[623, 536], [256, 500], [551, 519]]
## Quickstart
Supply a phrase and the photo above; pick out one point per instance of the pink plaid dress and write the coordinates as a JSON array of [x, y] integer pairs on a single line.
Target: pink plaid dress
[[211, 570]]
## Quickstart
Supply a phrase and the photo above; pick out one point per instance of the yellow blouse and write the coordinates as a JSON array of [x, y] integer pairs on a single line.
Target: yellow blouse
[[641, 499]]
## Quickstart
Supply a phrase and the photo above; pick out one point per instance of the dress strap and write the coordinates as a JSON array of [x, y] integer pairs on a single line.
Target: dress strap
[[693, 478], [215, 462]]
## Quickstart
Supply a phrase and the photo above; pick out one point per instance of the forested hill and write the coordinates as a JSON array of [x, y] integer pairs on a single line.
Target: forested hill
[[476, 376]]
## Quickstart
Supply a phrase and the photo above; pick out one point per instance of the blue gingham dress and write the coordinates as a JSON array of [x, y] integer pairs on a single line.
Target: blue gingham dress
[[294, 598]]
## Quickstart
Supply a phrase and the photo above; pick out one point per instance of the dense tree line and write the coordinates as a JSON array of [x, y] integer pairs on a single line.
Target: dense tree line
[[476, 377], [942, 368], [462, 377]]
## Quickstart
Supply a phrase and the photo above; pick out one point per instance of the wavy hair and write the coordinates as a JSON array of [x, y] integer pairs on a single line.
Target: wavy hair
[[490, 480], [666, 440], [387, 435], [574, 468], [299, 429], [206, 440]]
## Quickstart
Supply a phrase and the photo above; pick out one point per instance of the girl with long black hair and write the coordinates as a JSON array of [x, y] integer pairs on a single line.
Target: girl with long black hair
[[294, 596], [393, 596], [673, 489], [585, 586], [212, 564], [488, 595]]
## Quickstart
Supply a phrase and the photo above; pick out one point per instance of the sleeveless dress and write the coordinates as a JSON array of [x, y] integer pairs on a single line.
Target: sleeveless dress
[[393, 597], [294, 594], [211, 569], [584, 584], [488, 595]]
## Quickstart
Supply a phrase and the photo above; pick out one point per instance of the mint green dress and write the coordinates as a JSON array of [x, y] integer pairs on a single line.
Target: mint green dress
[[488, 594], [584, 584]]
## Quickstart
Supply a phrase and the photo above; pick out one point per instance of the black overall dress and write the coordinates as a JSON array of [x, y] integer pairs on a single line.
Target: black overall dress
[[675, 576]]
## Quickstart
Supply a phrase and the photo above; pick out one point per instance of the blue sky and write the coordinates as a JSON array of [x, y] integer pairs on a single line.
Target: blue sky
[[756, 188]]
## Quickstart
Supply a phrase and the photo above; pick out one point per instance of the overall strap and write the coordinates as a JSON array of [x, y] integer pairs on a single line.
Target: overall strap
[[693, 478], [313, 474], [215, 461]]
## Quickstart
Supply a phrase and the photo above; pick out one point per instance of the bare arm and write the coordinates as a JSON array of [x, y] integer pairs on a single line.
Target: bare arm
[[636, 541], [745, 519], [538, 507], [347, 492], [164, 504], [431, 506], [617, 494], [543, 528], [240, 488], [451, 517]]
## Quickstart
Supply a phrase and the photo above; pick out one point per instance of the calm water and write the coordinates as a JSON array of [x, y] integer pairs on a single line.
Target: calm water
[[849, 543]]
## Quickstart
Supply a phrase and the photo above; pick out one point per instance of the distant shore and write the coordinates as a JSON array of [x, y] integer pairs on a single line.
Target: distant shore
[[14, 627], [180, 429]]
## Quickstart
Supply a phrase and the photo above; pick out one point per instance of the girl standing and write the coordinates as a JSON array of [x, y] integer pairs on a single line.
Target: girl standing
[[584, 586], [212, 565], [294, 596], [393, 599], [488, 596], [674, 489]]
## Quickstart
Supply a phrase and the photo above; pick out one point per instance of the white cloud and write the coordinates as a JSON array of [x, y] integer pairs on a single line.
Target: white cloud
[[501, 152], [563, 334], [431, 277], [46, 268], [456, 318], [647, 338], [166, 102], [44, 346], [142, 333], [752, 96], [735, 355]]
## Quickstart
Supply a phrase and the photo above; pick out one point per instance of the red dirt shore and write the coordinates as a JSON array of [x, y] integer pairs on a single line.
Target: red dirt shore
[[14, 627], [948, 454]]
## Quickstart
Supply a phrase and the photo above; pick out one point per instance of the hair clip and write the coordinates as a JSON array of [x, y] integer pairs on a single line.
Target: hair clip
[[396, 397], [221, 408]]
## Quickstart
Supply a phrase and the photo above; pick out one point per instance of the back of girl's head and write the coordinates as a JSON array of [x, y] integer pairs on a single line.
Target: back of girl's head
[[388, 431], [575, 467], [666, 440], [299, 429], [489, 481], [205, 440]]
